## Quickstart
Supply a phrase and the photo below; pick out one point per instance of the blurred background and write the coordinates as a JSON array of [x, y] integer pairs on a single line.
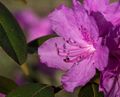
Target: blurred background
[[42, 7]]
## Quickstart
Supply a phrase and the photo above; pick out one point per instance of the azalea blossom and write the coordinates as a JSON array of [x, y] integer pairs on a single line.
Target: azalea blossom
[[78, 51], [111, 11], [34, 26], [110, 77]]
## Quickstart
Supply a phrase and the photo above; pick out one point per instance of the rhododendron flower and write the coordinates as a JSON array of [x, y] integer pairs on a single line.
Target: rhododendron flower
[[77, 50], [33, 25], [111, 11], [110, 77]]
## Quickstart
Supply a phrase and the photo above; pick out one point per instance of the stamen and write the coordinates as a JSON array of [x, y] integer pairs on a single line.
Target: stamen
[[75, 54], [86, 34]]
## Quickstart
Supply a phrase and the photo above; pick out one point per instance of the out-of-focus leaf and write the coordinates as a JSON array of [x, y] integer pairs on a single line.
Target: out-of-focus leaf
[[90, 90], [32, 46], [6, 85], [12, 39], [62, 93], [32, 90]]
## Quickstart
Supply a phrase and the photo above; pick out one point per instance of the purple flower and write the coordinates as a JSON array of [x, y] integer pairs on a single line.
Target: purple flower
[[110, 81], [110, 77], [78, 50], [34, 26], [111, 11]]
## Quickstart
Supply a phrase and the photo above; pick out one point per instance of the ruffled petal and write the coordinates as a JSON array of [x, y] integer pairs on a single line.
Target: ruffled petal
[[110, 84], [110, 78], [112, 13], [85, 21], [79, 74], [64, 23], [49, 55], [101, 57], [96, 5], [76, 24]]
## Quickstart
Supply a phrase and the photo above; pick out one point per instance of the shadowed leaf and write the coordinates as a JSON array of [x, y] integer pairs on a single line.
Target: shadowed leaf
[[90, 90], [6, 85], [33, 46], [32, 90], [12, 39]]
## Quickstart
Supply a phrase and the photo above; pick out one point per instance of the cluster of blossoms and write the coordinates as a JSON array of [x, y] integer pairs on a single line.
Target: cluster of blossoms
[[89, 38]]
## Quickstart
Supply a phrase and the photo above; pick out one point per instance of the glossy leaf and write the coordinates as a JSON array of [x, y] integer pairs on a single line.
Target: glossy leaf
[[6, 85], [42, 39], [32, 46], [32, 90], [90, 90], [12, 39]]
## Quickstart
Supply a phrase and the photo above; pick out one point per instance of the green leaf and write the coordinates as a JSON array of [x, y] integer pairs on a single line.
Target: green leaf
[[41, 40], [33, 46], [12, 39], [90, 90], [32, 90], [63, 93], [6, 85], [44, 38]]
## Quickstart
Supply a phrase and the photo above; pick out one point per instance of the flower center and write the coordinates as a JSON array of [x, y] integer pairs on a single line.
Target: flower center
[[73, 52]]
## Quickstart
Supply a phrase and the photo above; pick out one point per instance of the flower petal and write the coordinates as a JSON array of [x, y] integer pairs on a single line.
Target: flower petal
[[65, 24], [103, 25], [69, 25], [101, 57], [49, 54], [110, 84], [86, 21], [79, 75], [112, 13], [96, 5], [110, 78]]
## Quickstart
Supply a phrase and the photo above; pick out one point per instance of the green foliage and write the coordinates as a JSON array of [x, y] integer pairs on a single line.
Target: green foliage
[[6, 85], [12, 39], [32, 90], [63, 93], [90, 90], [41, 40], [32, 46]]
